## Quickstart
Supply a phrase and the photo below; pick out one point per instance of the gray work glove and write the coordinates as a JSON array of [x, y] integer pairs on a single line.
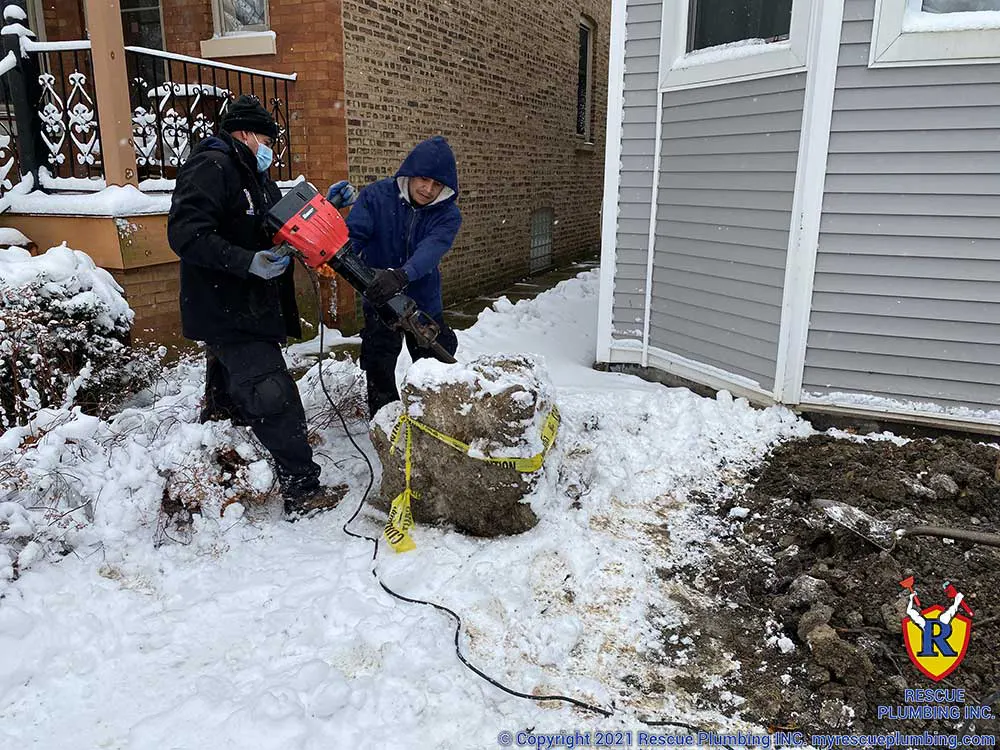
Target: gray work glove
[[268, 264]]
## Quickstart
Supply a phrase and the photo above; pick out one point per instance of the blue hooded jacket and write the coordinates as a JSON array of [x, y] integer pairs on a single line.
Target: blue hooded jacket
[[391, 232]]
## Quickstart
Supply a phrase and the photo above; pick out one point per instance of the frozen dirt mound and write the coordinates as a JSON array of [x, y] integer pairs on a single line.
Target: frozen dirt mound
[[814, 612]]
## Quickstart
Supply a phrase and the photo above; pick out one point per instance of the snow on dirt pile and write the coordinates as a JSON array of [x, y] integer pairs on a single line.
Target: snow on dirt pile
[[474, 442], [256, 633]]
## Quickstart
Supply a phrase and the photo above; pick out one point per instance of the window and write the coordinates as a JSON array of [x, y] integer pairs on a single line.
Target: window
[[959, 6], [584, 79], [935, 32], [541, 239], [715, 22], [242, 27], [719, 41], [142, 24], [239, 16]]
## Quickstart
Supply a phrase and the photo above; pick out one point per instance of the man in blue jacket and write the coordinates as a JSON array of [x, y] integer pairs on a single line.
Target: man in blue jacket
[[403, 226]]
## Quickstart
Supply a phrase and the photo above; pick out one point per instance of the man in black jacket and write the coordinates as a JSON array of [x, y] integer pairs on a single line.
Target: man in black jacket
[[237, 295]]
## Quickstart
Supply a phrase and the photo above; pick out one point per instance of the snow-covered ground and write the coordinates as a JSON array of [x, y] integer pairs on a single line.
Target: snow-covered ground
[[263, 634]]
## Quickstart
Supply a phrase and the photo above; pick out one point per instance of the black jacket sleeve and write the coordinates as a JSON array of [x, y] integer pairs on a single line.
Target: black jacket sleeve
[[197, 211]]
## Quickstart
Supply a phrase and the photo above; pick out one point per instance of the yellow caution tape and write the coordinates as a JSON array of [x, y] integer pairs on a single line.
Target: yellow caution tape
[[397, 528], [400, 520]]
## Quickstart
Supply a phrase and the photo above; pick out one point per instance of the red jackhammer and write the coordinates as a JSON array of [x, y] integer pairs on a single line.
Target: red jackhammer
[[305, 225]]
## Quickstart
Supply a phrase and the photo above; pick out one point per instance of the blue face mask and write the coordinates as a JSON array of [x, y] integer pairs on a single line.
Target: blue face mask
[[264, 156]]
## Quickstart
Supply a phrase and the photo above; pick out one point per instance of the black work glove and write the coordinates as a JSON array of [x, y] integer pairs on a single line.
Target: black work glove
[[387, 284]]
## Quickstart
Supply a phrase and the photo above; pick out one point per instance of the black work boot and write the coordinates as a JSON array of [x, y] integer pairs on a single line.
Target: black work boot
[[311, 503]]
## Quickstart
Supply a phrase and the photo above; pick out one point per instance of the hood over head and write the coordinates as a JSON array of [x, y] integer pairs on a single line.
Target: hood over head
[[434, 159]]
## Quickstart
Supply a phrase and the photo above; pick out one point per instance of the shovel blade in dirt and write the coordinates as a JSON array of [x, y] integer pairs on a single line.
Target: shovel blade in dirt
[[879, 533]]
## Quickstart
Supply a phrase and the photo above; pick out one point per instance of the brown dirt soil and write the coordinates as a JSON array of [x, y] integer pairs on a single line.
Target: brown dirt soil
[[788, 569]]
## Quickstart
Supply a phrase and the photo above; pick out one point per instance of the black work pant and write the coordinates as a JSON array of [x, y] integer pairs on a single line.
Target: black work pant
[[380, 347], [250, 383]]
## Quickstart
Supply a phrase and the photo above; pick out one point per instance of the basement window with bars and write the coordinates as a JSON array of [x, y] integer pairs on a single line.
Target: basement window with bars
[[584, 80], [542, 222], [715, 22]]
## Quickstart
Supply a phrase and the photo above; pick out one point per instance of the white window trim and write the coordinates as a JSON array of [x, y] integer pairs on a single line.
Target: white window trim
[[892, 46], [680, 69], [612, 180]]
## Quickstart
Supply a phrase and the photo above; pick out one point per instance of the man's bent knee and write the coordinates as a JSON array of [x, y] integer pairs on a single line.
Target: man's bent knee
[[269, 396]]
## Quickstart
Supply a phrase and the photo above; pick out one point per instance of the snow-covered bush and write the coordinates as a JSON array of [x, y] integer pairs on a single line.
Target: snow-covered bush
[[64, 336]]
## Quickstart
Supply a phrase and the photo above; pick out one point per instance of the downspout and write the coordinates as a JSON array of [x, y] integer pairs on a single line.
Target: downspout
[[612, 180]]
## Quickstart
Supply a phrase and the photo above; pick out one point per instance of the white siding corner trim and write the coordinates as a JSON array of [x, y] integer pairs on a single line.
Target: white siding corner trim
[[807, 207], [612, 179], [680, 69], [896, 45], [653, 206]]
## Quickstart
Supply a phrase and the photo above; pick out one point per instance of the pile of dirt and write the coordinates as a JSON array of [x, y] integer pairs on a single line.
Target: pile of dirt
[[495, 407], [813, 611]]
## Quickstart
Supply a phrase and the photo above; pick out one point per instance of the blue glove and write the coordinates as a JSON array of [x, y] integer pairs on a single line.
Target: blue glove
[[342, 194], [268, 264]]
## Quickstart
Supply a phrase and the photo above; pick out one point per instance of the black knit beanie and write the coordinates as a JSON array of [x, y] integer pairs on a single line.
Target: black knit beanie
[[246, 113]]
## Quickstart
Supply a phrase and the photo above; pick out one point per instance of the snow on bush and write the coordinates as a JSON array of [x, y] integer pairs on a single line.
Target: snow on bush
[[150, 473], [64, 336]]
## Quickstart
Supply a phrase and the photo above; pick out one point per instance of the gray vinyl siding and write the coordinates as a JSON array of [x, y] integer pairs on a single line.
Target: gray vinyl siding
[[727, 182], [906, 302], [642, 56]]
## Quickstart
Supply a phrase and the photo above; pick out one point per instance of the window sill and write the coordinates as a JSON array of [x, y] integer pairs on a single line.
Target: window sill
[[584, 147], [240, 45], [731, 64], [902, 37]]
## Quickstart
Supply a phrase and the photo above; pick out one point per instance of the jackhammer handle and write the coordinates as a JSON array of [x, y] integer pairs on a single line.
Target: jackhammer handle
[[348, 264], [426, 335]]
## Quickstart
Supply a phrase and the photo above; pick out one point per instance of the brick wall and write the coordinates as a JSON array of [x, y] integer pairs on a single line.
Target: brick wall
[[498, 78], [64, 20], [153, 292]]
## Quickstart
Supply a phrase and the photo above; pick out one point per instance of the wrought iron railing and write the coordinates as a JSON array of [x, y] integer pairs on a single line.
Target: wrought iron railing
[[177, 101], [51, 118], [67, 111], [10, 167]]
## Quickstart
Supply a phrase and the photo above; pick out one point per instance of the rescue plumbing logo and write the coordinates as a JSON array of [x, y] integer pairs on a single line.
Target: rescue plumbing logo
[[936, 637]]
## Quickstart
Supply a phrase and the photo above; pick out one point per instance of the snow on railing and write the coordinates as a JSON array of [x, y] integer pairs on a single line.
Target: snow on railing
[[176, 100], [210, 63], [179, 100], [74, 45], [8, 63]]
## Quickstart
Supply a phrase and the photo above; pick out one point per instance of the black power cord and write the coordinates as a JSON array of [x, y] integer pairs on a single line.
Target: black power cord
[[376, 543], [440, 607]]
